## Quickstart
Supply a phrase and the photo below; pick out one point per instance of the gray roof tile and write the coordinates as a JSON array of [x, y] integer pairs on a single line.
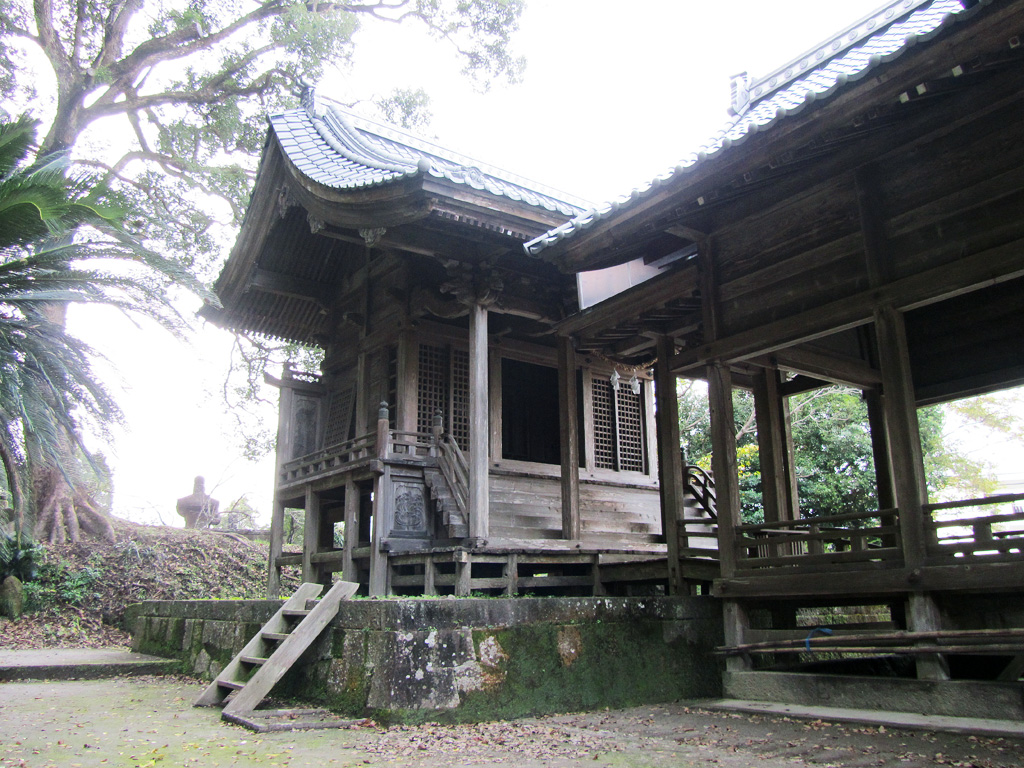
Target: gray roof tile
[[339, 149]]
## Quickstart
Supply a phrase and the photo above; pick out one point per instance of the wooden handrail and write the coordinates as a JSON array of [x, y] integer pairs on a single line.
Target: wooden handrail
[[979, 502]]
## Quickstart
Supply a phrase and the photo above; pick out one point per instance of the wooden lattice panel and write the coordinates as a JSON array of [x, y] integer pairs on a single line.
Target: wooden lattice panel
[[460, 397], [630, 430], [339, 414], [604, 424], [432, 391]]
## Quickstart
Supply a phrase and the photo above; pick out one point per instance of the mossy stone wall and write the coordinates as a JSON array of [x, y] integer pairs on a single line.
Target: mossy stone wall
[[465, 659]]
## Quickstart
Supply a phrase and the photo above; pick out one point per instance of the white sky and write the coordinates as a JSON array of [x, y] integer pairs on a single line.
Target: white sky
[[614, 94]]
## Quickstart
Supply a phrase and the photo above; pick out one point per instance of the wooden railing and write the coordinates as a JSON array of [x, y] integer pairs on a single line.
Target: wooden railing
[[455, 469], [412, 445], [329, 460], [977, 537], [700, 485], [871, 537]]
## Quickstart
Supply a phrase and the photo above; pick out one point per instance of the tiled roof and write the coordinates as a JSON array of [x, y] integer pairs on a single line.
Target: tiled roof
[[341, 150], [845, 58]]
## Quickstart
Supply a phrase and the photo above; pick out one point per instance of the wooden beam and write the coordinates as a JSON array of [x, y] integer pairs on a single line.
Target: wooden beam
[[572, 526], [479, 431], [771, 445], [670, 461], [988, 267], [677, 282], [279, 284], [838, 369]]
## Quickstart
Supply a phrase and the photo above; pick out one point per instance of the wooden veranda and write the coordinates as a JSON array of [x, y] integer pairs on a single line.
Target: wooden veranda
[[860, 222]]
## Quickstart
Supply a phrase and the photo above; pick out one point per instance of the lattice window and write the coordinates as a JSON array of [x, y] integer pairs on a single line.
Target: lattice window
[[630, 432], [618, 427], [432, 392], [604, 424], [460, 397]]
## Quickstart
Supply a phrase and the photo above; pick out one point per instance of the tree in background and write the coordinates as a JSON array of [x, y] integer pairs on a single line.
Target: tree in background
[[832, 446], [192, 83], [61, 242]]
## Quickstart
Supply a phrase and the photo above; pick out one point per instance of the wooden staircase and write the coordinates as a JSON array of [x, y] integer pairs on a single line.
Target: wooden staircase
[[273, 650]]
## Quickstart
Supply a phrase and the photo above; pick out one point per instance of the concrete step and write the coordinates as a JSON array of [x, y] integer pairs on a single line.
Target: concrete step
[[977, 726], [80, 664]]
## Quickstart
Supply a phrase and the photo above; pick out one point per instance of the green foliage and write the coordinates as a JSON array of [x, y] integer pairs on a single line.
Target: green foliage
[[407, 107], [60, 582], [832, 446], [19, 557]]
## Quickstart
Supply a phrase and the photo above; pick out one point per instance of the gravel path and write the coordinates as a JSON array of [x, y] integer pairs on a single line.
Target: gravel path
[[150, 723]]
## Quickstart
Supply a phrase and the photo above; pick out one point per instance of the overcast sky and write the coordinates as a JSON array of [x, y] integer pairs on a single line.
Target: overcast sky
[[614, 94]]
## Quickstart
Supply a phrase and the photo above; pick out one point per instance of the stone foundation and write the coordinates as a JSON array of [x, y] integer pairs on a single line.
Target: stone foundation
[[452, 660]]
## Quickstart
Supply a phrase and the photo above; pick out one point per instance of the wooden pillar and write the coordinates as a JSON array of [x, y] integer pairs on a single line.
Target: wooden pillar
[[772, 445], [572, 527], [311, 536], [791, 490], [670, 459], [880, 449], [276, 548], [902, 432], [723, 463], [408, 382], [348, 568], [381, 510], [362, 387], [904, 442], [479, 432]]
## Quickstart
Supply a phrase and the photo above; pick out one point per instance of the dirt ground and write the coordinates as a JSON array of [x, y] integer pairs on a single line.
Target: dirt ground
[[150, 723]]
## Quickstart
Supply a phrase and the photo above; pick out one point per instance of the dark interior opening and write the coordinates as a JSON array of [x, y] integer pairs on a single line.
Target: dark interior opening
[[529, 412]]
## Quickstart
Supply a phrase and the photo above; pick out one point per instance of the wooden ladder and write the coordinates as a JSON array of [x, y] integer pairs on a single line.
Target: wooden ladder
[[274, 649]]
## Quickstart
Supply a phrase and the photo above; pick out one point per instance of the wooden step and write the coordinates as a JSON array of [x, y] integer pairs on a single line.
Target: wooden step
[[276, 629], [234, 685], [288, 652], [295, 612], [254, 660]]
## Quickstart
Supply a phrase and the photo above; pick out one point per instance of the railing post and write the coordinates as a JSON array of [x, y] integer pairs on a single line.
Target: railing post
[[383, 430], [436, 432]]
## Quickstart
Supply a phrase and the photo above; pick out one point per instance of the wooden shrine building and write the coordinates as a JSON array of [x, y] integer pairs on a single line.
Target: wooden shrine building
[[434, 444], [860, 221], [486, 415]]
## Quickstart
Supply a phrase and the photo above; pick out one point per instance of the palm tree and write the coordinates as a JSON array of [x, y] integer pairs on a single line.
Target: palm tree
[[61, 242]]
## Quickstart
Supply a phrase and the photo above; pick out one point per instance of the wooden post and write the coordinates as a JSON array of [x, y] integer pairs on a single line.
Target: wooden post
[[311, 537], [479, 432], [408, 382], [381, 510], [348, 567], [736, 624], [791, 489], [362, 387], [902, 432], [882, 460], [572, 526], [670, 459], [276, 548], [723, 462], [771, 445], [923, 616]]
